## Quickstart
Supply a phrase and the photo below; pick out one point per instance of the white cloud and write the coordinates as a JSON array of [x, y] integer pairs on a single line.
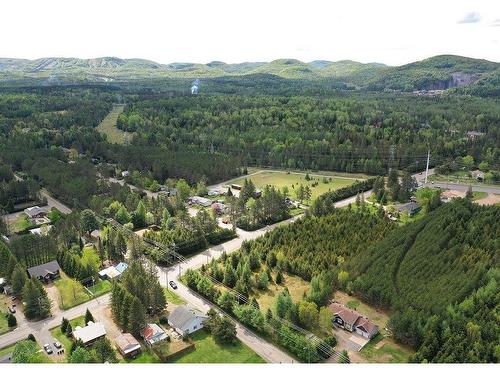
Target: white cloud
[[495, 23], [471, 17]]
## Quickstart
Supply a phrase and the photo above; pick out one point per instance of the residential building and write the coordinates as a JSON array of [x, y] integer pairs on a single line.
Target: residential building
[[205, 202], [121, 267], [127, 345], [153, 333], [41, 231], [45, 272], [35, 212], [447, 196], [411, 208], [352, 321], [186, 320], [89, 334]]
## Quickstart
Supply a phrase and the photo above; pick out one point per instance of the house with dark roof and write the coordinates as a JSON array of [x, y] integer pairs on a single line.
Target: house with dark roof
[[186, 320], [352, 321], [410, 208], [45, 272]]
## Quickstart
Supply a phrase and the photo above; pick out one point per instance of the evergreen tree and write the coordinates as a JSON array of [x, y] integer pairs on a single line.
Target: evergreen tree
[[18, 279], [64, 325], [88, 221], [88, 317], [137, 317], [120, 245], [11, 320], [37, 304]]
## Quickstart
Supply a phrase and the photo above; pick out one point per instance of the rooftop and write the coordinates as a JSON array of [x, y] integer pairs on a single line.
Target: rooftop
[[91, 332], [44, 269]]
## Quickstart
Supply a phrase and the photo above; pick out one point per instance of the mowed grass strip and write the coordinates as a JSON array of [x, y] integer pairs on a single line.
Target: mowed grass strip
[[172, 297], [208, 351], [71, 292], [108, 125], [293, 180]]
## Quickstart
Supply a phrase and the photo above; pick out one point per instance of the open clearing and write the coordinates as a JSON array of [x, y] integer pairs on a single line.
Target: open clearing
[[108, 126], [296, 286], [293, 180], [208, 351], [72, 292]]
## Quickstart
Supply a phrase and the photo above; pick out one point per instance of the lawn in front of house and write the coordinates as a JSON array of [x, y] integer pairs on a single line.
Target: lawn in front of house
[[20, 223], [71, 292], [208, 351], [173, 297], [146, 356], [7, 350], [293, 180], [61, 337], [296, 286], [5, 302]]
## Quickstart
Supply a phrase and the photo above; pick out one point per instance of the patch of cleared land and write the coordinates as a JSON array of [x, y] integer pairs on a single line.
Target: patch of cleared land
[[208, 351], [108, 126], [319, 184], [4, 305], [296, 286], [72, 292], [382, 348]]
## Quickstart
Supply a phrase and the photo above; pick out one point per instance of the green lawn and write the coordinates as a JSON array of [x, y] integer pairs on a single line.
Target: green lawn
[[101, 287], [5, 302], [476, 195], [293, 180], [4, 327], [61, 337], [381, 349], [296, 286], [172, 297], [7, 350], [21, 223], [208, 351], [71, 292], [108, 126], [145, 357]]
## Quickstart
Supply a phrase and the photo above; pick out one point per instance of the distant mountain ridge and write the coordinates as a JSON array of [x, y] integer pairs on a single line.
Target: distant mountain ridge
[[438, 72]]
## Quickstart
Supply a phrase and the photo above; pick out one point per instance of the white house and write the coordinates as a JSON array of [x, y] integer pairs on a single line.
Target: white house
[[186, 320]]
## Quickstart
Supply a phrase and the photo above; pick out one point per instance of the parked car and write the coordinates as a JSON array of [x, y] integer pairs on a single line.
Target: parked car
[[48, 349], [173, 284], [58, 345], [12, 309]]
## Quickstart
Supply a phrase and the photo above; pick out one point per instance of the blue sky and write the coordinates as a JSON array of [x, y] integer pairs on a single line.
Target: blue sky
[[391, 32]]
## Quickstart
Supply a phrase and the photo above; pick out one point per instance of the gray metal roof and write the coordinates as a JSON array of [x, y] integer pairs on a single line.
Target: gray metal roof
[[182, 315]]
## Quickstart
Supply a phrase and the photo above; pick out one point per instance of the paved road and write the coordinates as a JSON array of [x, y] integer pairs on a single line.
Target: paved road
[[52, 202], [262, 347], [41, 328]]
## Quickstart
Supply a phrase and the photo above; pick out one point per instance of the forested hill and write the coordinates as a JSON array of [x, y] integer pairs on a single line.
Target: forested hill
[[439, 72]]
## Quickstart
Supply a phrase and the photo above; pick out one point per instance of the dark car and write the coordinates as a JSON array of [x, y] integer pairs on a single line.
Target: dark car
[[173, 285], [48, 349]]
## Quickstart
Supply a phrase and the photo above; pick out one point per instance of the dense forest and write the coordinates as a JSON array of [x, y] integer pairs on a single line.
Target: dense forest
[[347, 132]]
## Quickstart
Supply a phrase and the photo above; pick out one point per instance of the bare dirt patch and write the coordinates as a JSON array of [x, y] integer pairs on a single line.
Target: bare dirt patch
[[490, 200]]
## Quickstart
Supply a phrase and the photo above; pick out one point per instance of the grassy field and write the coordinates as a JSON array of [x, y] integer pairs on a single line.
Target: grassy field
[[101, 287], [21, 223], [294, 179], [108, 126], [71, 292], [384, 350], [296, 286], [172, 297], [208, 351]]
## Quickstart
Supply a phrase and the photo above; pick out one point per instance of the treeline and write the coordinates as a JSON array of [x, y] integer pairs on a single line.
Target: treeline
[[325, 203], [137, 294], [358, 132], [32, 250]]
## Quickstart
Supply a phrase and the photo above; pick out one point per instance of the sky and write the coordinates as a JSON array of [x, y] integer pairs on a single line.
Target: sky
[[386, 31]]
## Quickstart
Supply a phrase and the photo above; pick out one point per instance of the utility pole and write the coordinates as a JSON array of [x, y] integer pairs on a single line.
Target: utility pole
[[427, 167]]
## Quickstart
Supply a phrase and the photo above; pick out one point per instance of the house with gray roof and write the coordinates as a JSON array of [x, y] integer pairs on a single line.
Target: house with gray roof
[[45, 272], [186, 320]]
